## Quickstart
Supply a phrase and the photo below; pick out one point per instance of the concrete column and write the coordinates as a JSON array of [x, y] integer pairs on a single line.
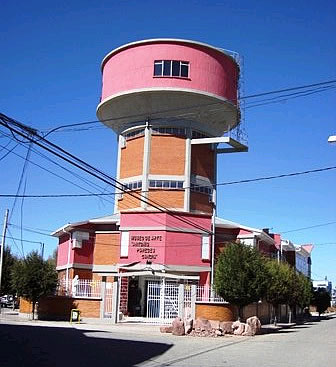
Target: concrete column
[[213, 227], [103, 298], [187, 172], [181, 301], [193, 301], [120, 142], [115, 302], [146, 163]]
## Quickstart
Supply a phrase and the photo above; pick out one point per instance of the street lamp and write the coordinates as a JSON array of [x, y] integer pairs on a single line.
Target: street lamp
[[332, 139]]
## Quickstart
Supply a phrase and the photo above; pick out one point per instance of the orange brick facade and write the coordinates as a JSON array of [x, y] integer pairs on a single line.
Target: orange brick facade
[[167, 155], [106, 251], [168, 198]]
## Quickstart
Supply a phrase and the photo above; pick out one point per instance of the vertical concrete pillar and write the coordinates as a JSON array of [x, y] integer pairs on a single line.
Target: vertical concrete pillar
[[193, 300], [181, 301], [117, 191], [115, 301], [146, 163], [103, 297], [187, 171]]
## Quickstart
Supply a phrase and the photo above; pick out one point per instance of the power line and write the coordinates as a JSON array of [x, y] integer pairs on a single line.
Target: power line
[[314, 226], [292, 174], [88, 182], [294, 95], [56, 150]]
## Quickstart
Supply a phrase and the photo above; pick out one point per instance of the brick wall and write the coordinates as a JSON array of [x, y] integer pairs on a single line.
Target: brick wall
[[168, 198], [167, 155], [202, 160], [25, 306], [129, 202], [132, 158], [107, 249], [200, 202], [123, 306]]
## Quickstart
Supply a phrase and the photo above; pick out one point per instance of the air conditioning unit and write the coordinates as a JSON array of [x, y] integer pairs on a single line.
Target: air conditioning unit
[[78, 237]]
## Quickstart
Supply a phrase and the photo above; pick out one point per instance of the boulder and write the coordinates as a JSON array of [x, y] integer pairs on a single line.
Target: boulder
[[215, 324], [188, 325], [238, 328], [254, 325], [226, 327], [178, 327], [166, 329], [203, 325]]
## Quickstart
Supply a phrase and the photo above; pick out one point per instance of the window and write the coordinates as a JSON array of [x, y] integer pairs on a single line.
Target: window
[[171, 68], [178, 131], [124, 242], [165, 184], [205, 247]]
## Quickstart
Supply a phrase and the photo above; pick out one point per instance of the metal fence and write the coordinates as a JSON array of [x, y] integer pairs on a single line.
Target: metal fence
[[85, 288], [206, 294]]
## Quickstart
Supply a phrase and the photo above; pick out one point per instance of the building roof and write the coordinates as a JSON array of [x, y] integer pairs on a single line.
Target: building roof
[[115, 218], [108, 219]]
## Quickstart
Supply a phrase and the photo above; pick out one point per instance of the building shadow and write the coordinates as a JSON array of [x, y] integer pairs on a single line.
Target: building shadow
[[37, 346]]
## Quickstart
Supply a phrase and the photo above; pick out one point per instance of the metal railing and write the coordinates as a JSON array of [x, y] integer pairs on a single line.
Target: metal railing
[[207, 294], [86, 288]]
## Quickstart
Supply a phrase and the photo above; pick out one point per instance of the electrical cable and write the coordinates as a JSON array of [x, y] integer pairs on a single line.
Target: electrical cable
[[49, 131], [70, 158]]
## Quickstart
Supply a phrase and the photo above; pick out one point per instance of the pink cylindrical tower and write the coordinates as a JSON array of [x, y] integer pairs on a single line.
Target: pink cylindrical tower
[[160, 96]]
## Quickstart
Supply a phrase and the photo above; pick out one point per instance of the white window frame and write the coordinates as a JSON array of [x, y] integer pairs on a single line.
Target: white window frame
[[181, 63], [205, 250], [124, 243]]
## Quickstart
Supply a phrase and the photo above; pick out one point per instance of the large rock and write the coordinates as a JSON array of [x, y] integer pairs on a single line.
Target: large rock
[[253, 326], [203, 325], [178, 327], [238, 328], [188, 325], [215, 324], [166, 329], [226, 327]]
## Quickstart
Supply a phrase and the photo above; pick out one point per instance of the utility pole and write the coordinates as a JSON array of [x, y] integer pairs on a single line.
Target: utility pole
[[3, 238]]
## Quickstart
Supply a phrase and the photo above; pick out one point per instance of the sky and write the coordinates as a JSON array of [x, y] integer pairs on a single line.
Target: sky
[[50, 76]]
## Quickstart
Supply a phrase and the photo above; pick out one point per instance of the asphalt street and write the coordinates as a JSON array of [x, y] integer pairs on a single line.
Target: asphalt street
[[51, 344]]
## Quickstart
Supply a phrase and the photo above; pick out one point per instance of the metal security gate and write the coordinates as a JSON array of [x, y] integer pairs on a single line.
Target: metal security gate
[[162, 301], [108, 301]]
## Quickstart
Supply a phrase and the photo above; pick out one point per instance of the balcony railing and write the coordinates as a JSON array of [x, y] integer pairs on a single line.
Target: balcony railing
[[81, 288]]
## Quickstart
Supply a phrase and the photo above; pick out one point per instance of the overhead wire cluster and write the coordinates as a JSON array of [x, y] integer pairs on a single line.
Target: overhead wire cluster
[[24, 134]]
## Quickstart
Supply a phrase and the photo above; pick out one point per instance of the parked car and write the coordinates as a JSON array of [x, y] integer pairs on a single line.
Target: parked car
[[7, 301]]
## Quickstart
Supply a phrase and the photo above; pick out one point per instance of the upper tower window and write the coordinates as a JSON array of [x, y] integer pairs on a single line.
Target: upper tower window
[[171, 68]]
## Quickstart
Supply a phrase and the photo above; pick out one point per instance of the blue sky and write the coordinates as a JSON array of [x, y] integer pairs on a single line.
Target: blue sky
[[50, 75]]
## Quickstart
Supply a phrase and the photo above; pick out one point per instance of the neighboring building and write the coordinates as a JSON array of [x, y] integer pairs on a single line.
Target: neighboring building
[[323, 284], [303, 261]]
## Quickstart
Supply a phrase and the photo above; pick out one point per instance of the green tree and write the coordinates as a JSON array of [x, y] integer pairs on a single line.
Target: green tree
[[321, 300], [240, 276], [8, 262], [279, 284], [33, 278]]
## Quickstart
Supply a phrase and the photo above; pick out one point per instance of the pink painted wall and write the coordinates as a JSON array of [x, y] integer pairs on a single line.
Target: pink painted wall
[[161, 246], [132, 68], [82, 255], [62, 251], [184, 249], [146, 246], [155, 219], [243, 231]]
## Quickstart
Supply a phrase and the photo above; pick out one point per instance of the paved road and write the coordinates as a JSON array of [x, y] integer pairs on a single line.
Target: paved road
[[58, 344]]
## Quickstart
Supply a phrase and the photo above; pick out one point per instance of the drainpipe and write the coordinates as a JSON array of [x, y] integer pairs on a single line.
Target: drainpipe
[[213, 221], [68, 261]]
